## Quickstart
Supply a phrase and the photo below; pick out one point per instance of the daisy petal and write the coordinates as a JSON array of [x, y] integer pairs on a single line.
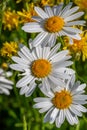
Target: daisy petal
[[52, 40], [40, 99], [74, 16], [48, 10], [54, 50], [56, 81], [69, 117], [27, 53], [47, 116], [42, 104], [45, 109], [23, 90], [46, 52], [5, 81], [37, 18], [38, 51], [67, 7], [57, 57], [32, 27], [59, 8], [45, 92], [5, 91], [39, 38], [17, 67], [81, 22], [30, 90], [19, 60], [53, 115], [76, 30], [41, 13], [80, 97], [75, 110], [72, 35], [69, 12], [7, 86], [60, 118], [24, 81], [79, 102], [54, 8], [66, 70], [81, 108], [81, 87]]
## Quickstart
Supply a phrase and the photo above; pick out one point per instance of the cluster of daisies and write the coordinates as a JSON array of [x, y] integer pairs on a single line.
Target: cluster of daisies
[[43, 65]]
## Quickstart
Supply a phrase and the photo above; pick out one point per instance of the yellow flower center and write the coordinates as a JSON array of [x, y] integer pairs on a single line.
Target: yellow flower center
[[54, 24], [62, 99], [41, 68]]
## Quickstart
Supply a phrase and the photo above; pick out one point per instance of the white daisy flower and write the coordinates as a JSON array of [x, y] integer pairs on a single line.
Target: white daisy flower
[[5, 84], [43, 64], [63, 103], [54, 22]]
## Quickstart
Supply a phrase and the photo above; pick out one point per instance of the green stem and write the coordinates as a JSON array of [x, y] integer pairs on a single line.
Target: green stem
[[24, 123], [78, 126], [14, 87], [85, 119], [66, 2], [29, 125], [60, 39], [26, 5]]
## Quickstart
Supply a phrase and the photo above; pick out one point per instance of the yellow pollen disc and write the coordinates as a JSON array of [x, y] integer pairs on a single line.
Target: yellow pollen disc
[[54, 24], [62, 99], [41, 68]]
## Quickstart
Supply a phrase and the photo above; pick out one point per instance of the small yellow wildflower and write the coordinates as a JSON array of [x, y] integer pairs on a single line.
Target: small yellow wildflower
[[81, 3], [47, 2], [10, 19], [25, 16], [9, 49], [18, 1], [4, 65], [79, 47], [59, 1]]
